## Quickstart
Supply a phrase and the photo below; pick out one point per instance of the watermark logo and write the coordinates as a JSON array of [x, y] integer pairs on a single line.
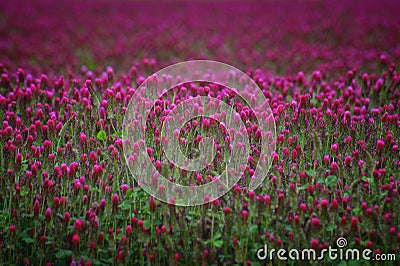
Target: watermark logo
[[331, 253], [341, 242], [142, 103]]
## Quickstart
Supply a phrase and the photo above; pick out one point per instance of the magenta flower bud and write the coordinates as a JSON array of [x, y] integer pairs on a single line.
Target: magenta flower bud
[[205, 254], [303, 207], [92, 157], [388, 218], [115, 200], [326, 160], [158, 165], [149, 152], [334, 205], [316, 75], [18, 140], [88, 83], [100, 238], [13, 230], [48, 214], [315, 223], [75, 240], [314, 244], [153, 204], [110, 73], [36, 208], [78, 226], [301, 79], [140, 223], [334, 167], [56, 202], [128, 230], [334, 148], [176, 257], [294, 155], [296, 219], [380, 146], [324, 204], [354, 224], [83, 139], [245, 215], [227, 210], [18, 161], [251, 195], [395, 149], [119, 97], [347, 161], [383, 59]]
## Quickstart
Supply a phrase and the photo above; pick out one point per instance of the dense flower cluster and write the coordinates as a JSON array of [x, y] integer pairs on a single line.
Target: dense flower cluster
[[327, 69]]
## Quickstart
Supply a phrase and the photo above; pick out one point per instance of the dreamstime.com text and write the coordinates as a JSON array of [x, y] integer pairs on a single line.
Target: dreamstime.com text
[[339, 253]]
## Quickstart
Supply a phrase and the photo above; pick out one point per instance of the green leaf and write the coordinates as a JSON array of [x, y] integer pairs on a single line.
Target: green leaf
[[356, 211], [331, 180], [253, 228], [146, 224], [63, 254], [101, 135], [28, 240], [128, 193], [218, 243], [331, 227], [311, 173], [314, 101], [321, 180], [303, 187], [347, 193], [124, 206], [24, 167], [217, 236], [118, 134]]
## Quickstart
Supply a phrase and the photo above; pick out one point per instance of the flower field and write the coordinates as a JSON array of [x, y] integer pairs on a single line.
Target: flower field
[[69, 70]]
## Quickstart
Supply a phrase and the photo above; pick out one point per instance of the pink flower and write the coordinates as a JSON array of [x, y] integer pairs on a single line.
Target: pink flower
[[115, 200], [334, 168], [326, 160], [380, 146], [314, 244], [205, 254], [78, 226], [303, 207], [235, 242], [315, 223], [128, 230], [324, 204], [48, 214], [67, 218], [36, 208], [334, 148], [100, 238], [227, 210], [121, 256], [354, 224], [153, 204], [75, 240], [92, 246], [245, 215], [13, 230]]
